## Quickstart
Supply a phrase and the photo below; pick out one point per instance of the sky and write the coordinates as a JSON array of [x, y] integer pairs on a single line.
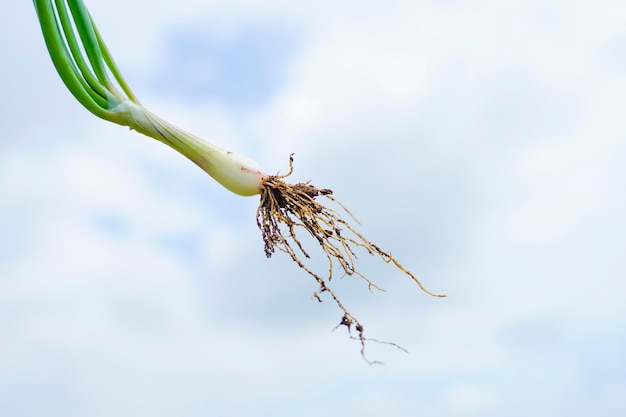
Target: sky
[[481, 142]]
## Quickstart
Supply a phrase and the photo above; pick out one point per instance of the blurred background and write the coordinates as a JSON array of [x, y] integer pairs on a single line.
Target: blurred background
[[481, 142]]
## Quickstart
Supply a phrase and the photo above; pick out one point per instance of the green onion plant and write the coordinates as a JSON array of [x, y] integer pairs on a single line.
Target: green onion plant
[[88, 70]]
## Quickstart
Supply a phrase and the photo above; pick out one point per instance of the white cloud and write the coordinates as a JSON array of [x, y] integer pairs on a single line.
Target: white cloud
[[481, 142]]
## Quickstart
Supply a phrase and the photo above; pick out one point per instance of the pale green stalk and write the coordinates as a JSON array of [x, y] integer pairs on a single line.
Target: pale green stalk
[[90, 83]]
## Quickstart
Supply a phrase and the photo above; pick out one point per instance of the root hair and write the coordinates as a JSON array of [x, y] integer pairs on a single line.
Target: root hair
[[294, 207]]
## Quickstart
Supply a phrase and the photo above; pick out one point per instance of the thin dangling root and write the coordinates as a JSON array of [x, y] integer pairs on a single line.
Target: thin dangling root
[[294, 206]]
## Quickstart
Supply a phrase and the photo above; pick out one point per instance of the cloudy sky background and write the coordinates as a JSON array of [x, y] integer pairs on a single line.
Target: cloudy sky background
[[482, 142]]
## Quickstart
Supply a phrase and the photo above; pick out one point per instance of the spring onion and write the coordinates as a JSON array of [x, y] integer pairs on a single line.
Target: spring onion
[[88, 70]]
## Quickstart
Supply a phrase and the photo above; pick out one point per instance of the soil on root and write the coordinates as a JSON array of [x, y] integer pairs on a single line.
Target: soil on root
[[286, 208]]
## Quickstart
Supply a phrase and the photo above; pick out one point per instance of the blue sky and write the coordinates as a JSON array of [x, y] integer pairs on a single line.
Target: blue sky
[[481, 142], [241, 69]]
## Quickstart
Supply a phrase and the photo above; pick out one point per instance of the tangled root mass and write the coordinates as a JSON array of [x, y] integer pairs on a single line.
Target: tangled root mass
[[286, 208]]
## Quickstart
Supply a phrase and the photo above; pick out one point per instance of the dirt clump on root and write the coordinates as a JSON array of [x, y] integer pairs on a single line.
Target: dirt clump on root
[[284, 209]]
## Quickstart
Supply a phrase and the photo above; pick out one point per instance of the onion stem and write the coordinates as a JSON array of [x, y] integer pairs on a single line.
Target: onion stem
[[89, 81]]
